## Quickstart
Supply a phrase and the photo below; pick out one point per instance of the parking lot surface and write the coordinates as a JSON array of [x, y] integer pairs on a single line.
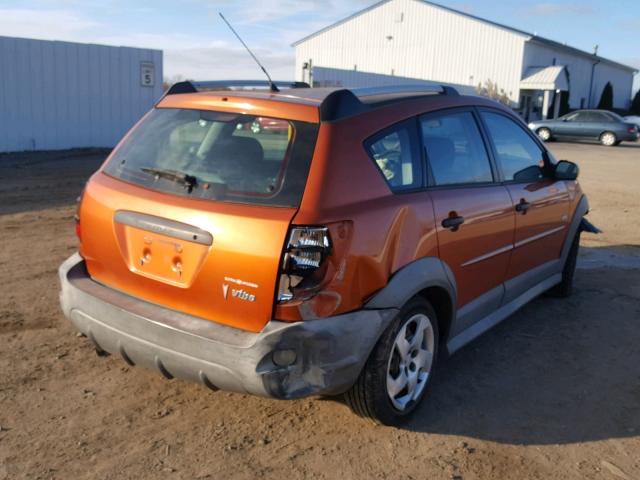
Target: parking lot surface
[[552, 392]]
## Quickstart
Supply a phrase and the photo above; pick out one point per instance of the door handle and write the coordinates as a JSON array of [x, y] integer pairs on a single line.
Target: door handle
[[453, 222], [523, 206]]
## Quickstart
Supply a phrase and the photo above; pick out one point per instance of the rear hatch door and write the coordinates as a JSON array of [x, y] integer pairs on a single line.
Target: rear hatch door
[[192, 210]]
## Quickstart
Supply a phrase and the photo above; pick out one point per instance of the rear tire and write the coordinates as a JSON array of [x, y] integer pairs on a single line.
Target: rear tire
[[608, 139], [397, 374], [565, 287], [544, 134]]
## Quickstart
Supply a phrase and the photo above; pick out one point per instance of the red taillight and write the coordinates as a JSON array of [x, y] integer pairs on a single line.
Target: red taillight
[[78, 229], [633, 129], [304, 263]]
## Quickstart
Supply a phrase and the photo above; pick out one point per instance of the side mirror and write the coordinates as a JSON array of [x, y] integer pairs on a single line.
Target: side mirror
[[566, 170]]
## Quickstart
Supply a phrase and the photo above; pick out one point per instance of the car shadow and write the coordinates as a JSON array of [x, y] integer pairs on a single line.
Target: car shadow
[[33, 181], [592, 143], [558, 371]]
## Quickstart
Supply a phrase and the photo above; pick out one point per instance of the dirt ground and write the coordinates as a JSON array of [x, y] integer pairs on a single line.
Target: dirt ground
[[551, 393]]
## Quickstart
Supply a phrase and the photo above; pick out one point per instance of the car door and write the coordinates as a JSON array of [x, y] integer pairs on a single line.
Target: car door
[[597, 123], [571, 125], [540, 202], [474, 215]]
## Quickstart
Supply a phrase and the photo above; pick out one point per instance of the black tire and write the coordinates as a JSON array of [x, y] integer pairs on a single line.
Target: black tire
[[368, 397], [608, 139], [544, 134], [565, 287]]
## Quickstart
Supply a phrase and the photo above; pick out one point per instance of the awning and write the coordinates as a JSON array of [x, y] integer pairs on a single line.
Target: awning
[[545, 78]]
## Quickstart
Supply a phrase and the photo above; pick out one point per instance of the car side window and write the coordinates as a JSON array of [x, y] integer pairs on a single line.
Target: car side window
[[396, 153], [519, 156], [574, 117], [600, 117], [455, 151]]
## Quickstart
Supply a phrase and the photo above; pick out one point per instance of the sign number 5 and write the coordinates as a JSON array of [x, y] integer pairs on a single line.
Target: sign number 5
[[147, 74]]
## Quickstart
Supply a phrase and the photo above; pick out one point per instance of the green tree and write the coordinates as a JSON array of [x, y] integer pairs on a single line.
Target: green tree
[[606, 99], [635, 105]]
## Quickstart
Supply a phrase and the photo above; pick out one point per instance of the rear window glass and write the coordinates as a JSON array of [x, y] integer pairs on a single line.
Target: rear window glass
[[217, 155]]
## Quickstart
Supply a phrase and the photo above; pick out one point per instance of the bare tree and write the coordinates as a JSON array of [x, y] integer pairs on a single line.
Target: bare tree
[[168, 81], [491, 90]]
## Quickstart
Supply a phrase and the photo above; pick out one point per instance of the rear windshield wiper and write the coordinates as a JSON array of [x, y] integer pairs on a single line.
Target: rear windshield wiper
[[188, 181]]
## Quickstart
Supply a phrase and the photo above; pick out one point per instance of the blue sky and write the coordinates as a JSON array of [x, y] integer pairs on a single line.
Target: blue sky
[[198, 45]]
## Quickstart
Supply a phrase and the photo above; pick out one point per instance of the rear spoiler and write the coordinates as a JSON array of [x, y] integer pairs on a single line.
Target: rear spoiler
[[193, 87]]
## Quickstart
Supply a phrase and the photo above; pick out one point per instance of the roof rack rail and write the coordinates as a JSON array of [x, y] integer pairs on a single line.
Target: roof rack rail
[[400, 89], [193, 86], [348, 102]]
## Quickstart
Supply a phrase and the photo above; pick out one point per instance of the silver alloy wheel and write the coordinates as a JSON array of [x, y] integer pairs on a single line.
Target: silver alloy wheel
[[544, 134], [608, 139], [410, 361]]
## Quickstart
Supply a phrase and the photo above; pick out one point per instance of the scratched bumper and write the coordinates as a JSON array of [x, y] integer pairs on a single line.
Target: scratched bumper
[[329, 353]]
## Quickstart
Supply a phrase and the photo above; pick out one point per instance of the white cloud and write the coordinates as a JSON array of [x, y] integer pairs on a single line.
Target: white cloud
[[45, 24], [275, 10], [175, 41], [223, 63], [275, 24]]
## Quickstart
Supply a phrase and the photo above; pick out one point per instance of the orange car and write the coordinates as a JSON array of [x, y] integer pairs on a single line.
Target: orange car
[[337, 255]]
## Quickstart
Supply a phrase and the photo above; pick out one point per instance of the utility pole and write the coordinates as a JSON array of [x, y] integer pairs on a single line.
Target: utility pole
[[593, 69]]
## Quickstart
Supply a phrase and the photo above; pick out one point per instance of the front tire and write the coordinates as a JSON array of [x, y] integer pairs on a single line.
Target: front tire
[[544, 134], [608, 139], [398, 372]]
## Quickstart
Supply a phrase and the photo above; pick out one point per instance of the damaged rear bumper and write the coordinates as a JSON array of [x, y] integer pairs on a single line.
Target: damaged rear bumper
[[329, 353]]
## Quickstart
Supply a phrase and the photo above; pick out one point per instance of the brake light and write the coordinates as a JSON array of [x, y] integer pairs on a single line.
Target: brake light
[[304, 263], [633, 129]]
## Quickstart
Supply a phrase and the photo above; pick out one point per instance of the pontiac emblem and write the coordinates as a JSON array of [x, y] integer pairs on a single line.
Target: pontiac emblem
[[225, 290]]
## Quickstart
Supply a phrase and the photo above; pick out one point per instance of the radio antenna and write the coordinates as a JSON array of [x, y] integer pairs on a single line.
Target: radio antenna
[[272, 86]]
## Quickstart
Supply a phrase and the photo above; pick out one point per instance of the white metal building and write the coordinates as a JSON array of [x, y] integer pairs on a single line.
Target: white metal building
[[59, 95], [418, 39]]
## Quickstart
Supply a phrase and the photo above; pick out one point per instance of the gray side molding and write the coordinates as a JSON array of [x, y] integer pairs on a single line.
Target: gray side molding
[[411, 279], [581, 211]]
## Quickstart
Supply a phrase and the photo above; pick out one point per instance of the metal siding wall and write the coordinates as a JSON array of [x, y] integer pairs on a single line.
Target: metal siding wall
[[429, 43], [579, 68], [621, 80], [333, 77], [58, 95]]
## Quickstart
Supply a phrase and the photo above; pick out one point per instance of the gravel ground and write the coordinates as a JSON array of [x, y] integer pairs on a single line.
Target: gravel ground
[[553, 392]]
